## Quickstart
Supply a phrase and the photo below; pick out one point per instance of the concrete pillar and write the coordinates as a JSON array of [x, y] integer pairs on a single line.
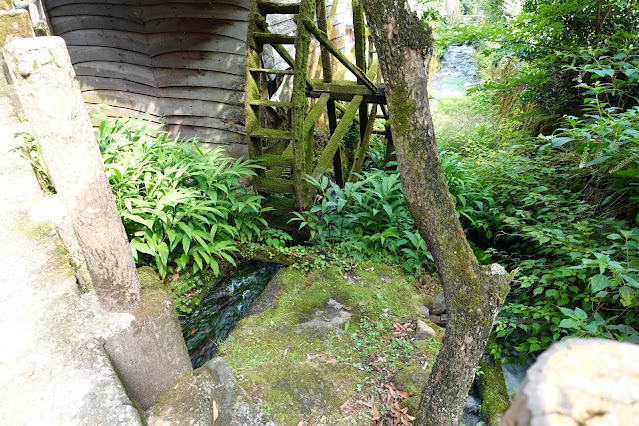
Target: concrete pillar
[[44, 79], [14, 24]]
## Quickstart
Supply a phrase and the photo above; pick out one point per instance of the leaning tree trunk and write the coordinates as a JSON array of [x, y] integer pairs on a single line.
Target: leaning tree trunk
[[474, 293]]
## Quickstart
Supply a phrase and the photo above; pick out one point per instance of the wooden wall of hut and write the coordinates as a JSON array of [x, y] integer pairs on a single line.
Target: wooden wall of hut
[[180, 61]]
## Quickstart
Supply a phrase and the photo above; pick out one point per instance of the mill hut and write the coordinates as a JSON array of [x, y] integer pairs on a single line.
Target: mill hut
[[209, 69]]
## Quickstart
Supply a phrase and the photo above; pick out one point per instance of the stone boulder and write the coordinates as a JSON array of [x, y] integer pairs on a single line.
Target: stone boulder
[[424, 331], [209, 395], [580, 381]]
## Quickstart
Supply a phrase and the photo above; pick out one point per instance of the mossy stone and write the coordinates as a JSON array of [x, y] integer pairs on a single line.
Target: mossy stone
[[412, 380], [155, 297], [274, 357], [412, 403]]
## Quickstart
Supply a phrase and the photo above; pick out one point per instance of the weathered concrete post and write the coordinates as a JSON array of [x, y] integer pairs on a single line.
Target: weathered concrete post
[[45, 81]]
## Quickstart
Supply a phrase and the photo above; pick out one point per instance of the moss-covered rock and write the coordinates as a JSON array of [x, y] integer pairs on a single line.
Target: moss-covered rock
[[412, 403], [494, 394], [412, 379], [209, 395], [298, 370]]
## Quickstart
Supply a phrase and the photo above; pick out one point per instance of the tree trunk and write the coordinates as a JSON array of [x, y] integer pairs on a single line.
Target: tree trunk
[[474, 293]]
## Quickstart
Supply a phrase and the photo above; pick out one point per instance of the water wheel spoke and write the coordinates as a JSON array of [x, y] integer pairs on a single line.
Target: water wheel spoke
[[287, 155]]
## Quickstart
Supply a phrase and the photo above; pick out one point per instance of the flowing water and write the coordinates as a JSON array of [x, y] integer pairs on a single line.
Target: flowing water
[[212, 321], [458, 72]]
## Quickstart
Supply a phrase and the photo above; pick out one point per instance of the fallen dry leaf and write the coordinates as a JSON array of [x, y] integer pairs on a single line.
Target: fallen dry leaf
[[215, 412], [345, 405]]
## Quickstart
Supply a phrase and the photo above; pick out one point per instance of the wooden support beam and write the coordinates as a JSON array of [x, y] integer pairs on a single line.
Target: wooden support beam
[[343, 90], [315, 112], [327, 72], [281, 50], [328, 44], [336, 138], [260, 132], [252, 87], [363, 147], [359, 33], [272, 71], [275, 185], [273, 38], [271, 7], [269, 160], [302, 190], [272, 104]]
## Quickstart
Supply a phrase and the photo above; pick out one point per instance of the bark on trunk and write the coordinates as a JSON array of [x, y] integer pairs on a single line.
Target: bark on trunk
[[474, 293]]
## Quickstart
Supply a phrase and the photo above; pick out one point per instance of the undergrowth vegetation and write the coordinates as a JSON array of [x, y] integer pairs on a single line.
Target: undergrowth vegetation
[[182, 206]]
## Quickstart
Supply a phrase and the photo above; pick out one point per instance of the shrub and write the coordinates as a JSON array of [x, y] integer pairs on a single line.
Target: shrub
[[366, 219], [182, 206]]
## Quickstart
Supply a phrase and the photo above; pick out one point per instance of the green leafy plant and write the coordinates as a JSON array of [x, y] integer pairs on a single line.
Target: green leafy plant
[[182, 206], [365, 219], [30, 150]]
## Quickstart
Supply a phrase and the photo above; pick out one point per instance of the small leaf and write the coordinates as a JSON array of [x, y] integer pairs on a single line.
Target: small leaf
[[630, 281], [596, 161], [581, 314], [216, 413]]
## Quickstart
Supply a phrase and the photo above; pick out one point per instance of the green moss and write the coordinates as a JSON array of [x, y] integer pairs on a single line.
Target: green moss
[[45, 233], [269, 353], [412, 379], [14, 24], [155, 297], [412, 403], [494, 394]]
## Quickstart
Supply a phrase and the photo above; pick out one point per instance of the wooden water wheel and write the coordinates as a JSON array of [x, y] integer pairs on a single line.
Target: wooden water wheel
[[288, 155]]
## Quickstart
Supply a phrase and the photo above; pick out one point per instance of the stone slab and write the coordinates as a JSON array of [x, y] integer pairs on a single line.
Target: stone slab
[[209, 395]]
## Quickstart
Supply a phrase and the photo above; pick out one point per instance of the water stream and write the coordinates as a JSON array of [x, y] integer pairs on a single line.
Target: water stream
[[212, 321], [458, 72]]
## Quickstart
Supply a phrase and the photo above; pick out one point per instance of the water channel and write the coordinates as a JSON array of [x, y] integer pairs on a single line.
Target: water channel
[[213, 320]]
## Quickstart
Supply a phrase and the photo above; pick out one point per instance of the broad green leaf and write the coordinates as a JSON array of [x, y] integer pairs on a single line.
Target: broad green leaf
[[630, 280], [581, 314], [186, 243], [163, 252], [597, 161], [140, 246], [568, 323], [599, 282]]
